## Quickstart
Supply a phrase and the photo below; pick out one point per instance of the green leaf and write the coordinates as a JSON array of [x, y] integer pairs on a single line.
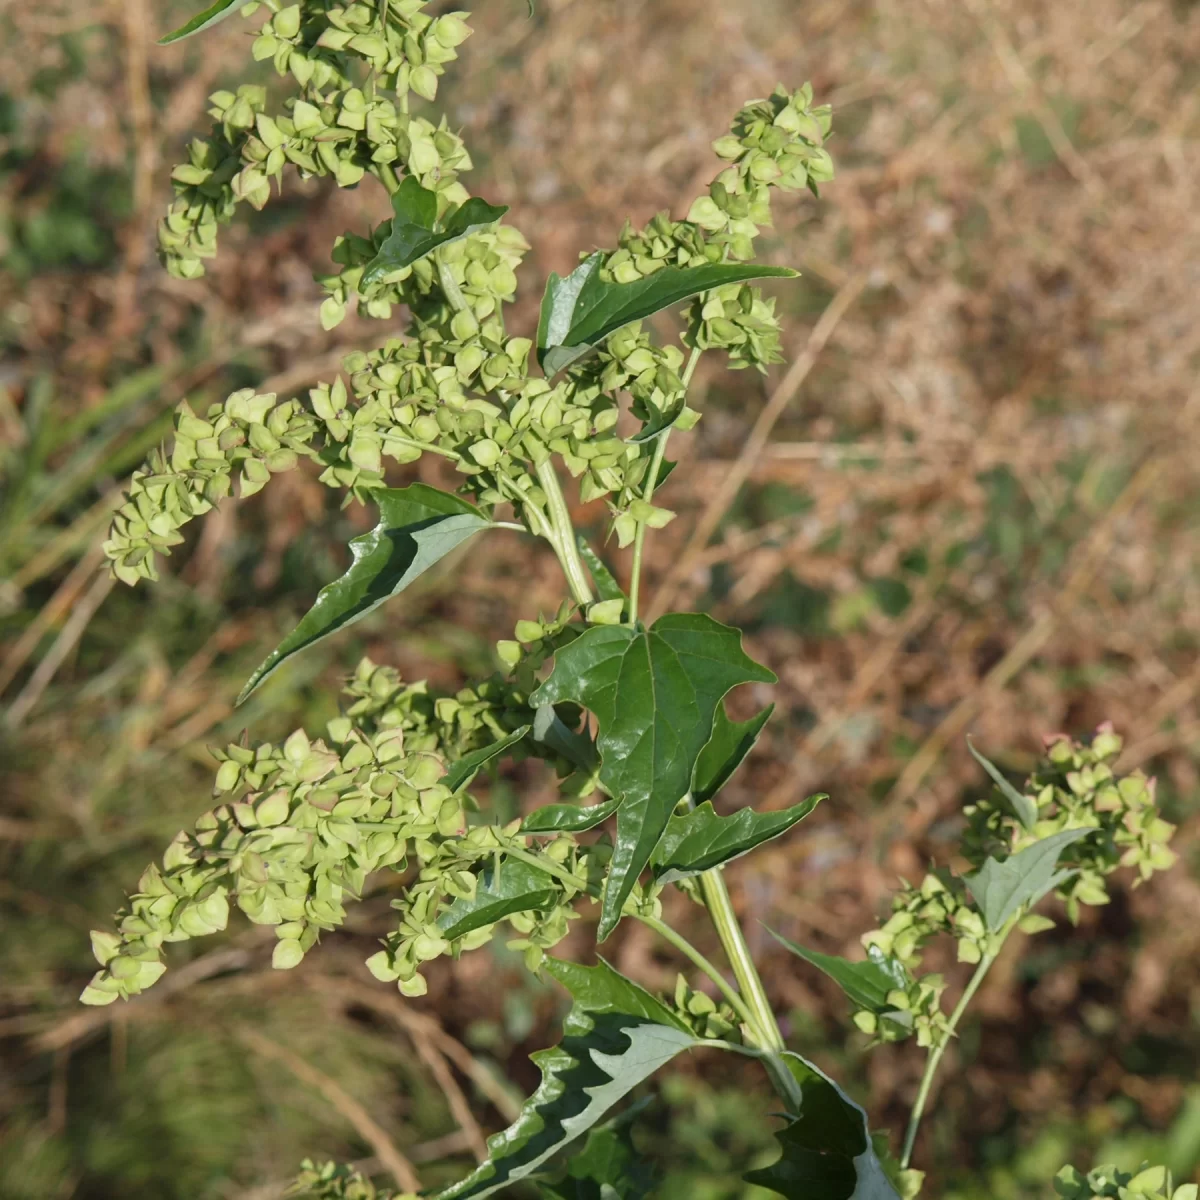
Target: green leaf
[[568, 818], [418, 526], [699, 840], [826, 1151], [518, 887], [1024, 807], [607, 1168], [615, 1036], [654, 694], [414, 233], [464, 770], [602, 577], [866, 983], [204, 20], [580, 311], [660, 419], [731, 741], [1000, 888], [551, 730]]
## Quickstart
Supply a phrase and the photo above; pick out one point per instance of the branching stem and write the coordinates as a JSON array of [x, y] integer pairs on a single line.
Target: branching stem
[[665, 931]]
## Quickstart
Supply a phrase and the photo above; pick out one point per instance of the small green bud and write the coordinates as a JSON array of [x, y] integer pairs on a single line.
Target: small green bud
[[509, 653], [529, 631], [287, 954], [606, 612], [286, 22]]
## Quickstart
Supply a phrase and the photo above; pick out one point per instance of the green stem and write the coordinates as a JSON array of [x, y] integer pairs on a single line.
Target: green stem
[[665, 931], [935, 1054], [764, 1029], [639, 535], [563, 538]]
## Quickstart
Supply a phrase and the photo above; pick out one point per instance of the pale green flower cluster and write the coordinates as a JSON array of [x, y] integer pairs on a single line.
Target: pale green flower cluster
[[1147, 1183], [332, 128], [304, 826], [1074, 787], [249, 438]]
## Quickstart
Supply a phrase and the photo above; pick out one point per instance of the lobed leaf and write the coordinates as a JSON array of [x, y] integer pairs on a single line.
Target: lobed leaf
[[418, 526], [580, 311], [728, 747], [700, 840], [866, 983], [414, 233], [204, 20], [826, 1151], [1000, 888], [615, 1036], [655, 693], [1024, 807], [516, 887]]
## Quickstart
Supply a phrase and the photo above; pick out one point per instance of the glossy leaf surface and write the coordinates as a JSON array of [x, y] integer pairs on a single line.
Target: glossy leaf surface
[[826, 1150], [701, 839], [568, 818], [417, 527], [466, 768], [866, 983], [731, 741], [580, 311], [654, 694], [615, 1036], [415, 233], [518, 887], [1000, 888], [204, 20]]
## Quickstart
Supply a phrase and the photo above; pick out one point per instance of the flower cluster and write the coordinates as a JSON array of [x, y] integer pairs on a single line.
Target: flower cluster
[[330, 1181], [707, 1017], [304, 826], [1074, 787], [332, 128], [1147, 1183], [249, 437]]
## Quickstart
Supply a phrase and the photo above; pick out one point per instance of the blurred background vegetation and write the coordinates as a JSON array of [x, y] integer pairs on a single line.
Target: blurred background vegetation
[[978, 513]]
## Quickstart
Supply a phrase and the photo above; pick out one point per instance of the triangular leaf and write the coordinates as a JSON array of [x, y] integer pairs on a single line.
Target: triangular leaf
[[204, 20], [866, 983], [414, 232], [1024, 807], [731, 741], [568, 818], [1000, 888], [826, 1150], [615, 1036], [580, 311], [699, 840], [519, 887], [602, 577], [464, 770], [418, 526], [654, 694]]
